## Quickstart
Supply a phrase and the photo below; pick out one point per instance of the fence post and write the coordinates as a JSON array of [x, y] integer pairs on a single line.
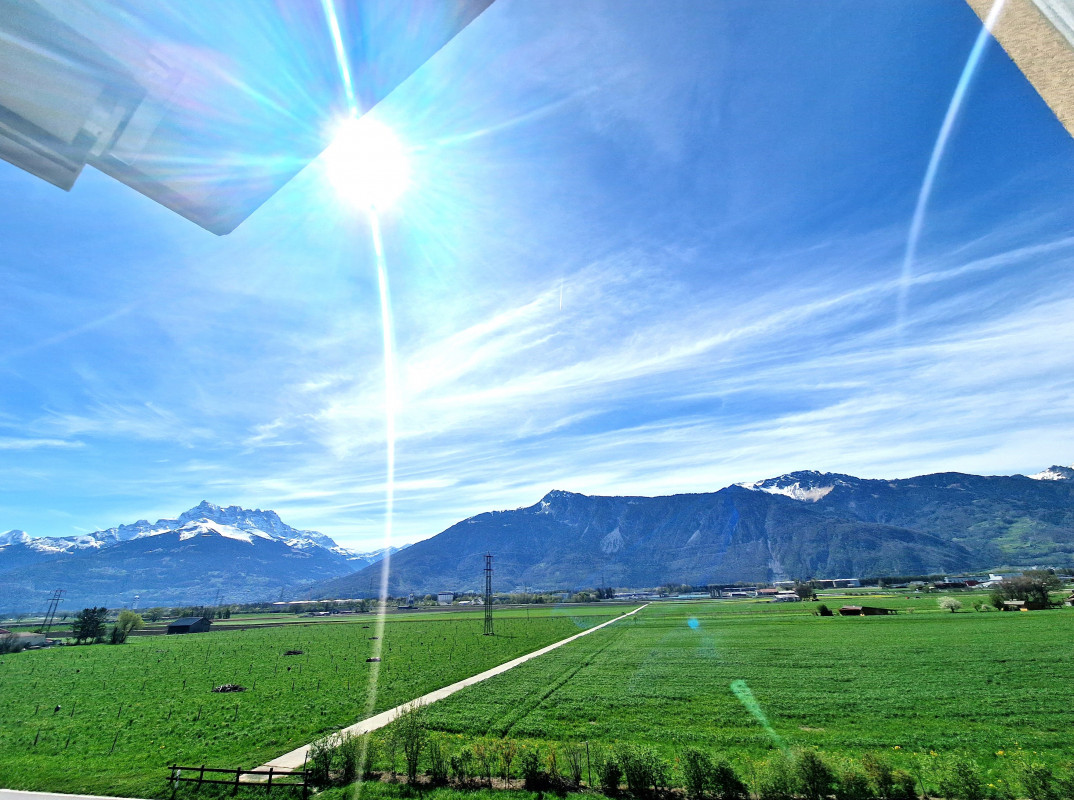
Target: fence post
[[270, 778], [201, 775], [238, 772]]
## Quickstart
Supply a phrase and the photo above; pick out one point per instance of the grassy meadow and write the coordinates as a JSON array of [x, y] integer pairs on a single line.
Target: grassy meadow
[[127, 712], [740, 678]]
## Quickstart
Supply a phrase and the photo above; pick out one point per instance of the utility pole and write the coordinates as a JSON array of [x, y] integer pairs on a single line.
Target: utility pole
[[50, 615], [488, 594]]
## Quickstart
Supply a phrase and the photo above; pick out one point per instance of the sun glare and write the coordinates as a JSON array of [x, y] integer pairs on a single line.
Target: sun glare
[[367, 164]]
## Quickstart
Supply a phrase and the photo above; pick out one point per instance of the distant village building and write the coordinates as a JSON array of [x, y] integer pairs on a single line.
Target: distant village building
[[445, 598], [733, 591], [837, 583], [190, 625]]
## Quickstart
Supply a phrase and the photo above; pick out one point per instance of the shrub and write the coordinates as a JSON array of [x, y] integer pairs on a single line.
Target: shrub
[[462, 766], [413, 731], [959, 779], [347, 757], [486, 758], [551, 762], [853, 785], [1064, 784], [904, 787], [609, 773], [1038, 781], [880, 774], [575, 756], [775, 780], [814, 777], [533, 778], [508, 751], [705, 778], [438, 764], [696, 773], [319, 764], [823, 611], [644, 770], [391, 748]]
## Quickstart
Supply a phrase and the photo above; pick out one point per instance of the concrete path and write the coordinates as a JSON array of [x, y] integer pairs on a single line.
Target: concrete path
[[297, 758], [18, 794]]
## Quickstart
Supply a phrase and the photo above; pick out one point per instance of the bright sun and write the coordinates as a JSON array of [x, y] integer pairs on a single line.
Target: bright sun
[[367, 163]]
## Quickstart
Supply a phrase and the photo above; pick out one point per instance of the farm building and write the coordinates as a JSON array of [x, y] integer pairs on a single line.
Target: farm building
[[190, 625], [837, 583], [864, 611], [445, 598], [20, 641]]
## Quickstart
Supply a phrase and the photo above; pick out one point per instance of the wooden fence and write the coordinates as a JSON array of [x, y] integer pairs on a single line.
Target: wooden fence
[[203, 774]]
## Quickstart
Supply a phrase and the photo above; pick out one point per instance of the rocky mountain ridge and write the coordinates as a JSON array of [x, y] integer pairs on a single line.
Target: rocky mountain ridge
[[804, 524]]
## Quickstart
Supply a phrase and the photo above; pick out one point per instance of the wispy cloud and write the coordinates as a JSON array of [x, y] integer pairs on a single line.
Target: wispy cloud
[[15, 443]]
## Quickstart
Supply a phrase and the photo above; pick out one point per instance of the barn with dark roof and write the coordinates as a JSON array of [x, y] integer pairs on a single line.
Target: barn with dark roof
[[190, 625]]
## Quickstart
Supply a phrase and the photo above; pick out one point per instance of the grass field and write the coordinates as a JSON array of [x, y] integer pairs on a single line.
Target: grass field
[[713, 675], [126, 712]]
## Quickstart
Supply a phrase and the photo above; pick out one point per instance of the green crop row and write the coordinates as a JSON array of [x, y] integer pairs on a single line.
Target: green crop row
[[716, 677], [111, 719]]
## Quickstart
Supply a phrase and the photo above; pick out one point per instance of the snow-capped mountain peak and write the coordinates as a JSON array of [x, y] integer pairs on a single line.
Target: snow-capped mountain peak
[[807, 486], [14, 537], [232, 522], [1055, 473]]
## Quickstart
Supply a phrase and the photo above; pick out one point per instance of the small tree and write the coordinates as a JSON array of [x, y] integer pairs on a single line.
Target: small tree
[[128, 621], [950, 604], [508, 750], [89, 625], [413, 728], [805, 591]]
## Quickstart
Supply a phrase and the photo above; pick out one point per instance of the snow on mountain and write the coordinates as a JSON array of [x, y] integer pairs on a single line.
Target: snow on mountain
[[14, 537], [203, 527], [806, 486], [232, 522], [1055, 473], [205, 519]]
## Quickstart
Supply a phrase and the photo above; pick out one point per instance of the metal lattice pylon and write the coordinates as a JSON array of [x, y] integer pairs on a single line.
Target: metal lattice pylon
[[50, 615]]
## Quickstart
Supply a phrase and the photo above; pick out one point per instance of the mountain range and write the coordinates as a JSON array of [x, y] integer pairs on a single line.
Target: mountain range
[[206, 553], [801, 525]]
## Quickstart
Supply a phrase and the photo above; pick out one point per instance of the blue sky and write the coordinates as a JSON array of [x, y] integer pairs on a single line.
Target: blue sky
[[648, 248]]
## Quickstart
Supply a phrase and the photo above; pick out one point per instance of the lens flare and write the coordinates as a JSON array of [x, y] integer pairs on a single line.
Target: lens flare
[[942, 138], [367, 163], [745, 696]]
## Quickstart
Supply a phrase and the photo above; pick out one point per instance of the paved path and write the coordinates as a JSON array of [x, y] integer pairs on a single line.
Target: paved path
[[17, 794], [296, 758]]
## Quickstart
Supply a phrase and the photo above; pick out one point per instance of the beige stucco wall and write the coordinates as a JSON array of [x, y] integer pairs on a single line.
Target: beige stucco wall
[[1039, 48]]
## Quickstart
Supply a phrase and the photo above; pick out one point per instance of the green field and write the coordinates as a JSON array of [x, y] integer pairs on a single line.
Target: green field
[[928, 681], [128, 711]]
